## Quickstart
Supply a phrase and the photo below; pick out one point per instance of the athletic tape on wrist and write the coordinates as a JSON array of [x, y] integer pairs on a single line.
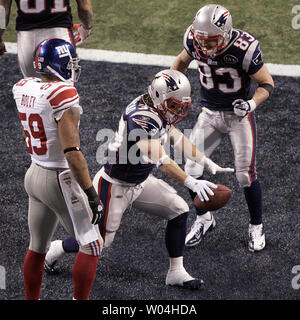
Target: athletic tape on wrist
[[161, 160]]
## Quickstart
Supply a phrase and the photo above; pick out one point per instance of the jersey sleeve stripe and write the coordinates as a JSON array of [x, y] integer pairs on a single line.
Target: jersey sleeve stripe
[[62, 96], [249, 55], [65, 102], [57, 89]]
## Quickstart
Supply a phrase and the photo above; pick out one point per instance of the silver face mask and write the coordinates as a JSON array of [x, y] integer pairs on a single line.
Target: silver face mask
[[170, 92]]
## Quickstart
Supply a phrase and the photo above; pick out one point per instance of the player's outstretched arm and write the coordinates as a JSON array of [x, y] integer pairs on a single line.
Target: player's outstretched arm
[[189, 150], [155, 152]]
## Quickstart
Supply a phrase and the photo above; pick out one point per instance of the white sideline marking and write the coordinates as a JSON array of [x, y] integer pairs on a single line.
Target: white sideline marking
[[155, 60]]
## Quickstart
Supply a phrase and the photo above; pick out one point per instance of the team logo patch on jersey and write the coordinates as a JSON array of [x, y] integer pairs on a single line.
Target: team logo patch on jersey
[[148, 126], [222, 19], [229, 58], [171, 83], [258, 58]]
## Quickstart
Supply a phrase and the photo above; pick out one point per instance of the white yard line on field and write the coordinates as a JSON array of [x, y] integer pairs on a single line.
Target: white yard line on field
[[155, 60]]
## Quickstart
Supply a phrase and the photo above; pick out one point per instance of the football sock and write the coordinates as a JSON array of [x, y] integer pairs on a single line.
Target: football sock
[[70, 245], [253, 197], [84, 272], [33, 273], [175, 235], [199, 212]]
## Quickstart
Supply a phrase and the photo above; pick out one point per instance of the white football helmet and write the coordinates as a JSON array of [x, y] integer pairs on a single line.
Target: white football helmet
[[170, 91], [211, 30]]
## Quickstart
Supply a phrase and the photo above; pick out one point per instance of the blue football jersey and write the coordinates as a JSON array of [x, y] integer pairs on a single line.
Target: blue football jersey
[[36, 14], [226, 77], [137, 122]]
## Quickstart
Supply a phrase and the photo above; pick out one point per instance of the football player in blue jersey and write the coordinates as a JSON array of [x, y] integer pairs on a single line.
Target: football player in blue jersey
[[38, 20], [234, 80], [126, 179]]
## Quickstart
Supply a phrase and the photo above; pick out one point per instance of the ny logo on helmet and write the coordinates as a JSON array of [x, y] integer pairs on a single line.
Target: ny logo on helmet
[[63, 51], [171, 83], [222, 20]]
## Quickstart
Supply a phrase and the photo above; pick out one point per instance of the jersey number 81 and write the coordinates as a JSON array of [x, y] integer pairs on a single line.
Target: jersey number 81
[[38, 6]]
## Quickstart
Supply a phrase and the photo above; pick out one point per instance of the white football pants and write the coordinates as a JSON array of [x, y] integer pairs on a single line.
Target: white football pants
[[213, 125], [153, 196], [47, 207]]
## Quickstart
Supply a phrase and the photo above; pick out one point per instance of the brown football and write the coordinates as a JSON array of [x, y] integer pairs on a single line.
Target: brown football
[[221, 196]]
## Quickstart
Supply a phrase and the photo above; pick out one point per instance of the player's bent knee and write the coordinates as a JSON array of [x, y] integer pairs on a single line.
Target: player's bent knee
[[178, 207], [177, 221], [39, 246]]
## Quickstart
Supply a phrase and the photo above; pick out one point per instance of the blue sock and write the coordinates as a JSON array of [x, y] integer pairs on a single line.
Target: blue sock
[[175, 235], [70, 245], [253, 197], [199, 212]]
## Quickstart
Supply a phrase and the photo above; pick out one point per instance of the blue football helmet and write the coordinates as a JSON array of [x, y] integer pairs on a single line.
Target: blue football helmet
[[57, 57]]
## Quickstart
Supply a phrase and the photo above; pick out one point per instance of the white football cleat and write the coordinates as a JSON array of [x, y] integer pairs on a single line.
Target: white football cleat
[[201, 225], [257, 240], [54, 254], [179, 277]]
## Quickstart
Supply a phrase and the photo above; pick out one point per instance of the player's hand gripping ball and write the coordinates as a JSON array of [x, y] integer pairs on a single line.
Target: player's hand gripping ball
[[221, 196]]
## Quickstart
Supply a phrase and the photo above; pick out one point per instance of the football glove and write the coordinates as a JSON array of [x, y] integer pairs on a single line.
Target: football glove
[[80, 33], [201, 187], [95, 204], [213, 168], [2, 48], [241, 107]]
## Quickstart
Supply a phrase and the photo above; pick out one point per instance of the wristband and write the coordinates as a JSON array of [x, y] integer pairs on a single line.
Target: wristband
[[189, 182], [91, 192], [71, 149], [267, 87], [161, 160], [252, 105]]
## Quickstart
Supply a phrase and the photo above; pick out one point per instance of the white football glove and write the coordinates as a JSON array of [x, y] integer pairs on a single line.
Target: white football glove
[[241, 107], [213, 168], [80, 33], [201, 187]]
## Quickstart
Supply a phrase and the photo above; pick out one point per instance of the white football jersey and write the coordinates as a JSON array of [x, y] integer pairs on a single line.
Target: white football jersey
[[40, 106]]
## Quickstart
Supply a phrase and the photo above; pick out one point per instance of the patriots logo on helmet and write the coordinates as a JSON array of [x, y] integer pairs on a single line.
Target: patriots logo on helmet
[[171, 83], [222, 19]]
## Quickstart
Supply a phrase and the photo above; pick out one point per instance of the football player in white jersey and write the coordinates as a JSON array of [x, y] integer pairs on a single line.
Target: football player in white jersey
[[137, 148], [49, 112], [230, 64]]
